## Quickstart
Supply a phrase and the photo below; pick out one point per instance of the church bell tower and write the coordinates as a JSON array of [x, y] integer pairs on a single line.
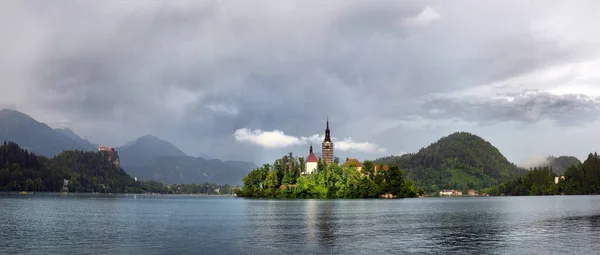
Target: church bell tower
[[327, 146]]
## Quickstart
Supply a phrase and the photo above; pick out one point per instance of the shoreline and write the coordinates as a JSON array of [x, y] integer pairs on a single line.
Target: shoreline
[[33, 193]]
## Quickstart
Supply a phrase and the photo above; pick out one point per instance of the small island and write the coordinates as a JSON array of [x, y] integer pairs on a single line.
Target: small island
[[294, 177]]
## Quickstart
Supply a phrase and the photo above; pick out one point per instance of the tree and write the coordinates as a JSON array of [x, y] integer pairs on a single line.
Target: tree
[[394, 181]]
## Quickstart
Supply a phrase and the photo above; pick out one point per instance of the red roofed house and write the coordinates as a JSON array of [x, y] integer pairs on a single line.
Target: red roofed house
[[311, 162], [377, 168], [354, 162]]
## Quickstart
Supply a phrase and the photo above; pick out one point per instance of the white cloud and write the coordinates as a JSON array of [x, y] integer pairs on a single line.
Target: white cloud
[[267, 139], [221, 108], [424, 18], [349, 145], [278, 139]]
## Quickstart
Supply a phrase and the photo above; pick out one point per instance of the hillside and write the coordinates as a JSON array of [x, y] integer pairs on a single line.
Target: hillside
[[21, 170], [69, 133], [458, 161], [559, 165], [146, 148], [35, 136], [246, 166], [185, 170]]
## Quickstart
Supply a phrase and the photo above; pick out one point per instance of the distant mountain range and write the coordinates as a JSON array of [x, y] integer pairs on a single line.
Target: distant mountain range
[[35, 136], [148, 157]]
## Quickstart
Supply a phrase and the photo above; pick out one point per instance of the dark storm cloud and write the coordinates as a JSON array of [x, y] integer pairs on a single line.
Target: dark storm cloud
[[195, 72], [528, 107]]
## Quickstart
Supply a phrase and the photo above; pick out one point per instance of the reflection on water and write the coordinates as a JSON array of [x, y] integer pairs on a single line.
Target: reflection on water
[[326, 225], [214, 225]]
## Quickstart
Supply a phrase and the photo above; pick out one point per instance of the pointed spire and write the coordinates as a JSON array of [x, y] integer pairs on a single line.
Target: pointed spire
[[327, 131], [311, 151]]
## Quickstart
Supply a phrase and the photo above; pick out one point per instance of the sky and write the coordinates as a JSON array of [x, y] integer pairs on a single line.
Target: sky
[[254, 80]]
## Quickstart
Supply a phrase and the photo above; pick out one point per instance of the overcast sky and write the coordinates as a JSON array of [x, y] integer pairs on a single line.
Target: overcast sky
[[252, 80]]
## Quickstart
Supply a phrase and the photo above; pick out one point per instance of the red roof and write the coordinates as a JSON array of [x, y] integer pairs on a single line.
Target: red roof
[[102, 148], [283, 187], [356, 162], [385, 168], [312, 158]]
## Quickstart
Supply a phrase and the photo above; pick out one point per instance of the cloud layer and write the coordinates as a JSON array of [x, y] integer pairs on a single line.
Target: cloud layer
[[398, 74]]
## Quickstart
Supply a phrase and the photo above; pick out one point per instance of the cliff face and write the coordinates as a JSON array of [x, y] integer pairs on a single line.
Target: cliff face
[[113, 157]]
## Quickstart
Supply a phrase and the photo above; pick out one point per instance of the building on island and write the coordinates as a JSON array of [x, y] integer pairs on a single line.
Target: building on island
[[376, 168], [327, 146], [311, 162], [327, 153], [354, 163]]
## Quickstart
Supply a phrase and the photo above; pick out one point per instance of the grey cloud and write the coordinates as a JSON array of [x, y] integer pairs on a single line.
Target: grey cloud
[[527, 107], [118, 71]]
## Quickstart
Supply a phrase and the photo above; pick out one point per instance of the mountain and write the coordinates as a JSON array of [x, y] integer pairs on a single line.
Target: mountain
[[146, 148], [69, 133], [246, 166], [458, 161], [559, 165], [186, 170], [35, 136]]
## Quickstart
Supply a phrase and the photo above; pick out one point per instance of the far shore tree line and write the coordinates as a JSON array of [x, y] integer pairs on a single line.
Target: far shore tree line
[[581, 179], [86, 171], [21, 170]]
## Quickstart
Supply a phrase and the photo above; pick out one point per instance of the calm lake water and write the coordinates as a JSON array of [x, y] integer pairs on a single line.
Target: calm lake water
[[87, 224]]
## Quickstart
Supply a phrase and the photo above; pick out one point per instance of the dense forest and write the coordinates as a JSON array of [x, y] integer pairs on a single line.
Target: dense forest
[[284, 179], [458, 161], [579, 179], [86, 171]]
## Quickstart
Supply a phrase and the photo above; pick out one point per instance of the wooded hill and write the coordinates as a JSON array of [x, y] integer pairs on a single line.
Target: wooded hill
[[457, 161]]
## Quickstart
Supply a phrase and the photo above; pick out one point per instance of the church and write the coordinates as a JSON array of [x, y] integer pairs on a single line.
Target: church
[[326, 152]]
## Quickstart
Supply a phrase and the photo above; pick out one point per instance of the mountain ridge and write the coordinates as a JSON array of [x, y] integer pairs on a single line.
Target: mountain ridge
[[35, 136]]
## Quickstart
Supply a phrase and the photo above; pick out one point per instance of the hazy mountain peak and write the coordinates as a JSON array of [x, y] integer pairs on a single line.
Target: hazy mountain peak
[[36, 136], [15, 115], [145, 148]]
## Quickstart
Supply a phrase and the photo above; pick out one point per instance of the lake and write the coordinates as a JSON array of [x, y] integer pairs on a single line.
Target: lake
[[140, 224]]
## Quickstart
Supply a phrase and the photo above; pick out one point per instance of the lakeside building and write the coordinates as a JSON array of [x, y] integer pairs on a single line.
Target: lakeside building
[[556, 179], [452, 193], [472, 192]]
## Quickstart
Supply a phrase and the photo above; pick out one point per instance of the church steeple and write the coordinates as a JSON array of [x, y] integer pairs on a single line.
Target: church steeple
[[310, 151], [327, 131], [327, 146]]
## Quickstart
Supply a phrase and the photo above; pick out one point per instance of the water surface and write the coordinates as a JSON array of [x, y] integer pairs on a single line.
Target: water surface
[[90, 224]]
